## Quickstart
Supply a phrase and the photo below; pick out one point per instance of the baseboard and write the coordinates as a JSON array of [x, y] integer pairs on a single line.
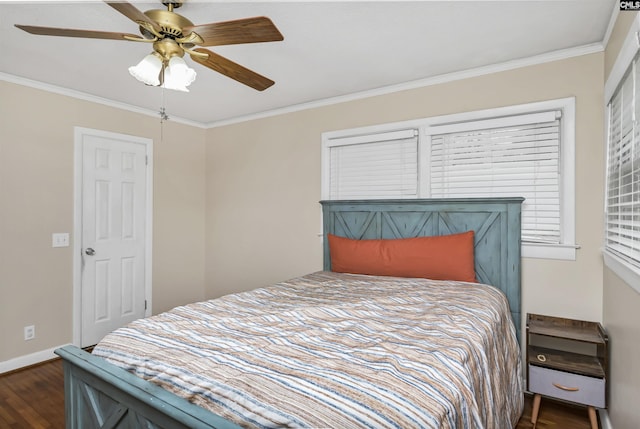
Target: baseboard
[[605, 422], [28, 360]]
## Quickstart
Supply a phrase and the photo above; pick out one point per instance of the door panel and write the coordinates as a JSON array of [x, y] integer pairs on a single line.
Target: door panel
[[113, 235]]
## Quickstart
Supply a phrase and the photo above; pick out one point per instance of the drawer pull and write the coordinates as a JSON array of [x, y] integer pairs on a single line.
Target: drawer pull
[[568, 389]]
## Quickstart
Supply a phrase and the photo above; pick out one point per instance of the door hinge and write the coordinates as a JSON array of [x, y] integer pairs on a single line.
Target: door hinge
[[145, 304], [146, 160]]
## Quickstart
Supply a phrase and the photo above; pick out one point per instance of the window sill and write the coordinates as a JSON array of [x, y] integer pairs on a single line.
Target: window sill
[[549, 251], [623, 269]]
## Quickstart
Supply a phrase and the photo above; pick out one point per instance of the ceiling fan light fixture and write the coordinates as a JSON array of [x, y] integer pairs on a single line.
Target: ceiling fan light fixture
[[148, 70], [173, 35], [177, 75]]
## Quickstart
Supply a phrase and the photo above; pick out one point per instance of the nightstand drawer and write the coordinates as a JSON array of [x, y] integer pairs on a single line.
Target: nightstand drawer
[[571, 387]]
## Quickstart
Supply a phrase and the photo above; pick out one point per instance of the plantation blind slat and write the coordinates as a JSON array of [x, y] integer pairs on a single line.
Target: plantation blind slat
[[622, 205], [381, 165], [520, 157]]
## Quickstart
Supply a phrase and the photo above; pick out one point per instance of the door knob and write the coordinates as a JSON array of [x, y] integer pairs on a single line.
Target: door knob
[[90, 251]]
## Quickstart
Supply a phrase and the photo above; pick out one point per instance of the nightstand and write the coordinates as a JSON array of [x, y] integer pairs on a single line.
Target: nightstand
[[567, 359]]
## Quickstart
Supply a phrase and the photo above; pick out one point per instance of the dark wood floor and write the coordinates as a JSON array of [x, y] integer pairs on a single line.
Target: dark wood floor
[[33, 399], [555, 415]]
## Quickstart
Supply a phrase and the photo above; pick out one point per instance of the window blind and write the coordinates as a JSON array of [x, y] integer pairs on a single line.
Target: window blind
[[383, 165], [622, 228], [515, 156]]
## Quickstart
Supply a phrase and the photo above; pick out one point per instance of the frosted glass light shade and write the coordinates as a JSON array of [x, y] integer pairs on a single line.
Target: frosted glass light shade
[[148, 70], [178, 75]]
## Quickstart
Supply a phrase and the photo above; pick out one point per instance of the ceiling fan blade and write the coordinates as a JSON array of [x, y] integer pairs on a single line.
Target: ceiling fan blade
[[233, 70], [133, 13], [68, 32], [247, 30]]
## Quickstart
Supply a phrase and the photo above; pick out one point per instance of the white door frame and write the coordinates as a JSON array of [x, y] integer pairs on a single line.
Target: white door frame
[[79, 133]]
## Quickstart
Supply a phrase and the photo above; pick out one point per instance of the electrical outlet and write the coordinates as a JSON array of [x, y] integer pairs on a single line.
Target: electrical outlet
[[29, 332]]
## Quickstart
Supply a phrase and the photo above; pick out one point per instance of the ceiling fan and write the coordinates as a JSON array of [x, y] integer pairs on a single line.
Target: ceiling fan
[[173, 35]]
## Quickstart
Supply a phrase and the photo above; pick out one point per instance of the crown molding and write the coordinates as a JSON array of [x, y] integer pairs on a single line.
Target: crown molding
[[612, 23], [436, 80], [91, 98], [420, 83]]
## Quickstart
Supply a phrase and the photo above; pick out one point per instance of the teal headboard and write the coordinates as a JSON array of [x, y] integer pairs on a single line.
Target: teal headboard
[[495, 221]]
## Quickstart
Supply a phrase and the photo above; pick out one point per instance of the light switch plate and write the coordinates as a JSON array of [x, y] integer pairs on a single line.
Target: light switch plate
[[60, 239]]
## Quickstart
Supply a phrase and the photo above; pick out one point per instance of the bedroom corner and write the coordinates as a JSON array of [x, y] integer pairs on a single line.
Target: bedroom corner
[[36, 200]]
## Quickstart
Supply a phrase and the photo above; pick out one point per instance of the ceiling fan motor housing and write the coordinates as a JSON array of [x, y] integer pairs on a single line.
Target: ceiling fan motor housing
[[170, 22], [171, 25]]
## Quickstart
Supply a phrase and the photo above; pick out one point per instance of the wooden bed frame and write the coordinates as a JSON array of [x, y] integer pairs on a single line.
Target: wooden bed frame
[[101, 395], [495, 221]]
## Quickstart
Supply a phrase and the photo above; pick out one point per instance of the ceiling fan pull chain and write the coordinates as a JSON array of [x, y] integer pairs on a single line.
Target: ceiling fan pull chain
[[162, 112]]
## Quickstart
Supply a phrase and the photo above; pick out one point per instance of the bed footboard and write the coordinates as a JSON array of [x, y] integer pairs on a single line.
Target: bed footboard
[[101, 395]]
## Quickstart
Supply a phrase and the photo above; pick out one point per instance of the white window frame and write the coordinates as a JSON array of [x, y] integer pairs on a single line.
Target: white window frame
[[630, 47], [566, 250]]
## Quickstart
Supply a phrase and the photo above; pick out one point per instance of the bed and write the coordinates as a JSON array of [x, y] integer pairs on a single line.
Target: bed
[[333, 349]]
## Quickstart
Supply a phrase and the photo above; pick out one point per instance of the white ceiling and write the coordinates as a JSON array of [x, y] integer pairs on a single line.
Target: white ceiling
[[330, 49]]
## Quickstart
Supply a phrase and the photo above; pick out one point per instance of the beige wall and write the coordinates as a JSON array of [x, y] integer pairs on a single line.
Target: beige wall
[[622, 321], [622, 306], [36, 200], [263, 182], [262, 214]]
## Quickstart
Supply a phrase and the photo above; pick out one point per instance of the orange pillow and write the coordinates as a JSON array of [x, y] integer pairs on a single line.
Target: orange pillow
[[445, 257]]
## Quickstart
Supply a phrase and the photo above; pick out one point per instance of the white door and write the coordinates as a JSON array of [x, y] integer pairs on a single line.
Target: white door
[[113, 212]]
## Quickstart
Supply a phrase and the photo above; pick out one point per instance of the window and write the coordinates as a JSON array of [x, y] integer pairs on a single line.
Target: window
[[522, 151], [622, 198], [622, 205]]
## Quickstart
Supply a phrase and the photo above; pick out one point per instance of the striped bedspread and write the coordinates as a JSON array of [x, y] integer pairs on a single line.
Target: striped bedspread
[[331, 350]]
